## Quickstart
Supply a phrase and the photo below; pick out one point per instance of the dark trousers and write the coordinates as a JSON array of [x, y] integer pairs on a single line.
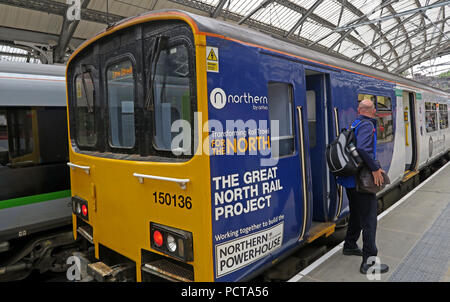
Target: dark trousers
[[363, 216]]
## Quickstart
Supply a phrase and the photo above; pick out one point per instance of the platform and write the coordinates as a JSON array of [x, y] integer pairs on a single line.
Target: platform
[[413, 238]]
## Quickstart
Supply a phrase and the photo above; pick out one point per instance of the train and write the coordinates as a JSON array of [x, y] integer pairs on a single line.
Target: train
[[197, 147], [35, 198]]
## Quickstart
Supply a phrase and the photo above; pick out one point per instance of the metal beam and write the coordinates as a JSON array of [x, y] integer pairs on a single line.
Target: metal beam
[[60, 8], [441, 51], [363, 16], [408, 12], [218, 8], [411, 51], [323, 22], [401, 24], [422, 51], [304, 17], [15, 34], [67, 30], [374, 43], [416, 32]]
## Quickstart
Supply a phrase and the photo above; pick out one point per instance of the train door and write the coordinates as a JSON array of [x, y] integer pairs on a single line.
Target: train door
[[319, 118], [410, 131], [289, 146]]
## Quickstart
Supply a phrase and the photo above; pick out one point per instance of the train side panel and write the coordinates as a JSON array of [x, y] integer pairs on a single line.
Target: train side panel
[[257, 206]]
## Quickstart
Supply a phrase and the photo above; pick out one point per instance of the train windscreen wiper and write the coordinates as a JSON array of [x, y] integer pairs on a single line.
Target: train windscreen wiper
[[160, 43], [83, 81]]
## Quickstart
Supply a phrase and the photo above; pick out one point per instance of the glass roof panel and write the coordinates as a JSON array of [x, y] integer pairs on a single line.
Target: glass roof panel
[[373, 27], [278, 16], [13, 54]]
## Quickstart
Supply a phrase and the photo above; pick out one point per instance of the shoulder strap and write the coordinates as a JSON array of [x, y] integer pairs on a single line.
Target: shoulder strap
[[359, 123]]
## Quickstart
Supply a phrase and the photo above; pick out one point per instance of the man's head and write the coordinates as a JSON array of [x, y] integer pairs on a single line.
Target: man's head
[[367, 108]]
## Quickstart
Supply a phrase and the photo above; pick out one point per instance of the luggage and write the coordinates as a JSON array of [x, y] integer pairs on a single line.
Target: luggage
[[366, 184], [342, 158]]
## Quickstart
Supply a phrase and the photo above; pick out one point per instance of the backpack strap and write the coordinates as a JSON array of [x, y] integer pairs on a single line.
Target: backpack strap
[[352, 126]]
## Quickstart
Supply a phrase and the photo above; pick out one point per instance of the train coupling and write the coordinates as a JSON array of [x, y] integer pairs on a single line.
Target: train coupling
[[101, 272]]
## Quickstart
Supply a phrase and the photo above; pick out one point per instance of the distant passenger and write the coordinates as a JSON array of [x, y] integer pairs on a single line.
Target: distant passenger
[[363, 207]]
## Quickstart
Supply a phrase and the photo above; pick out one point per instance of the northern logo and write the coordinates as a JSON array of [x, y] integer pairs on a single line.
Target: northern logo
[[218, 98]]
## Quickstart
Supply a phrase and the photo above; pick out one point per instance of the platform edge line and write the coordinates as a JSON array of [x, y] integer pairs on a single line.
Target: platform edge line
[[333, 251]]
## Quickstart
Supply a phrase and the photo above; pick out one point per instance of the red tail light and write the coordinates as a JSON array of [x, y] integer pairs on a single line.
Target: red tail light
[[158, 238], [80, 207], [84, 210]]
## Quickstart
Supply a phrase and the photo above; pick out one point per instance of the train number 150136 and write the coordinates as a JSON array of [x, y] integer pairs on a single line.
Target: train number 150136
[[175, 200]]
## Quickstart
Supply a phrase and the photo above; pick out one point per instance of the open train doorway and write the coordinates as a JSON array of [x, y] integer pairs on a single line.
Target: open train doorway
[[410, 131], [319, 118]]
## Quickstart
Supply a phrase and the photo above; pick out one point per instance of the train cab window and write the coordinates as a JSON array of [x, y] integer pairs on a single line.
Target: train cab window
[[430, 117], [86, 135], [443, 116], [385, 125], [121, 92], [172, 96], [280, 110]]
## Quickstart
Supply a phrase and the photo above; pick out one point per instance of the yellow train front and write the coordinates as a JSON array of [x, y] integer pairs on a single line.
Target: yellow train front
[[161, 185]]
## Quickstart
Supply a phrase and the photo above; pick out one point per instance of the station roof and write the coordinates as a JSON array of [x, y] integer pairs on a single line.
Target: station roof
[[391, 35]]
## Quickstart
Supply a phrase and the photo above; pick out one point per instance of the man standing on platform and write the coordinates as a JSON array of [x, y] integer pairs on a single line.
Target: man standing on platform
[[363, 207]]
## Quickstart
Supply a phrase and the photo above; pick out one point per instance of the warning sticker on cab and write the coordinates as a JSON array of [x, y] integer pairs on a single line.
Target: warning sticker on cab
[[212, 59], [235, 254]]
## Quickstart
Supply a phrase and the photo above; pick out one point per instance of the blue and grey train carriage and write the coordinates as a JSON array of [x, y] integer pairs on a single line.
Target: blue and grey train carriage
[[34, 177], [204, 156]]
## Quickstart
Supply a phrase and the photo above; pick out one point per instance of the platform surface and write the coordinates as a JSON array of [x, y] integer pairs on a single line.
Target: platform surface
[[413, 238]]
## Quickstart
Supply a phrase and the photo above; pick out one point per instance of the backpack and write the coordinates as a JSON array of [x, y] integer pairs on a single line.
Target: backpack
[[339, 156]]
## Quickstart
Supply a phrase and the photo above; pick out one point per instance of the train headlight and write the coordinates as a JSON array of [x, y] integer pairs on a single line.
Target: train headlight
[[171, 241]]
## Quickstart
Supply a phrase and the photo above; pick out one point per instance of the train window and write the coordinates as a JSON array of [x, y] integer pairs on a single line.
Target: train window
[[430, 117], [443, 116], [20, 130], [312, 119], [366, 96], [172, 96], [4, 148], [280, 110], [84, 112], [121, 86], [33, 136], [385, 125]]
